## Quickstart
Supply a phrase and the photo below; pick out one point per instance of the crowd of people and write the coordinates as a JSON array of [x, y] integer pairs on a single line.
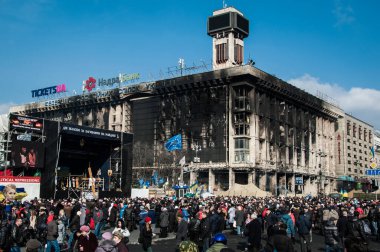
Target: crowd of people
[[265, 224]]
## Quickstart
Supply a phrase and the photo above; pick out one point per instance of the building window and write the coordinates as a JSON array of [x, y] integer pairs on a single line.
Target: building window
[[238, 54], [349, 147], [356, 170], [242, 129], [354, 130], [349, 154], [348, 129], [241, 150], [348, 140], [349, 161], [221, 53], [114, 118], [349, 169], [354, 149], [370, 136]]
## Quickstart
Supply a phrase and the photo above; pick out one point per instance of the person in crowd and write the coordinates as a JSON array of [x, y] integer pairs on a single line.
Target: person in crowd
[[332, 236], [87, 241], [356, 240], [164, 222], [194, 228], [231, 217], [146, 235], [205, 232], [61, 233], [120, 227], [52, 235], [118, 238], [342, 226], [286, 218], [279, 240], [73, 227], [129, 217], [303, 224], [33, 245], [219, 242], [181, 234], [253, 232], [107, 243], [239, 218], [17, 239], [142, 215], [113, 216]]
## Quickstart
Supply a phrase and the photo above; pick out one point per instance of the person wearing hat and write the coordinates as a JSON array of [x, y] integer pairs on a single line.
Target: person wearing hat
[[164, 222], [146, 235], [87, 241], [118, 238], [106, 244], [33, 245]]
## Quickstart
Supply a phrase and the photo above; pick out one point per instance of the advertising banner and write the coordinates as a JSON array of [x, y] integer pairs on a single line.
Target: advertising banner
[[26, 122], [20, 188]]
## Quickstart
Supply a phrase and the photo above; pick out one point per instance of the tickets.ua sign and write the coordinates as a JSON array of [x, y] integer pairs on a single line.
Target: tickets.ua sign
[[49, 90]]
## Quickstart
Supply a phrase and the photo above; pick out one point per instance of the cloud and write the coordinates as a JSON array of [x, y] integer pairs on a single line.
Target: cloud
[[4, 107], [360, 102], [344, 14]]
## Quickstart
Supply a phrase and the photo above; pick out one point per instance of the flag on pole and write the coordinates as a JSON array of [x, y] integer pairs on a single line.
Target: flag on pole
[[174, 143], [182, 162]]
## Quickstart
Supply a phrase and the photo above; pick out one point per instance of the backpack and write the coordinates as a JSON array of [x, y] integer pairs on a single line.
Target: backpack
[[92, 224]]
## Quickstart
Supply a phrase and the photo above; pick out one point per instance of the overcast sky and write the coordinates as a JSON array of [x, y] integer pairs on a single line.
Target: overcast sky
[[332, 46]]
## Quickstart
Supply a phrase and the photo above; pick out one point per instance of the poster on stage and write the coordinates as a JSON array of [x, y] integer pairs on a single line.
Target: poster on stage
[[19, 188], [27, 154]]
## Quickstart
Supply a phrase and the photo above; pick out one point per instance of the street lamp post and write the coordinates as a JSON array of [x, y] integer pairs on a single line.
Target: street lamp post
[[197, 148]]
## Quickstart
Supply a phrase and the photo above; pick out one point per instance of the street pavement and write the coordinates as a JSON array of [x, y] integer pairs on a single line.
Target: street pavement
[[235, 242]]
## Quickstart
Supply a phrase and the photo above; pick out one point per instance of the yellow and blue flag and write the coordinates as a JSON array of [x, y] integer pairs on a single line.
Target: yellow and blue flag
[[174, 143]]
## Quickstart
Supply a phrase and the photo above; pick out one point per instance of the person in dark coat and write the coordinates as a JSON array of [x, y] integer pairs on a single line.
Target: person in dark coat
[[194, 228], [271, 220], [16, 236], [342, 226], [52, 235], [239, 218], [73, 227], [279, 241], [113, 216], [87, 241], [128, 217], [205, 233], [331, 236], [303, 224], [254, 233], [356, 239], [146, 235], [182, 230], [164, 222]]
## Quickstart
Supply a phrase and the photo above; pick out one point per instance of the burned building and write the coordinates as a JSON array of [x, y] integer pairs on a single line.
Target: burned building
[[239, 125]]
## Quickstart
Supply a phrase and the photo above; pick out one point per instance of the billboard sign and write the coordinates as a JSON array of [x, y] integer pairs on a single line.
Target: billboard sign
[[49, 90], [372, 172], [26, 122], [19, 188]]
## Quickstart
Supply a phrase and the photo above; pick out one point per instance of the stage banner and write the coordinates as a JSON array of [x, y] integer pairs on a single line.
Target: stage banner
[[20, 188], [90, 132], [26, 123]]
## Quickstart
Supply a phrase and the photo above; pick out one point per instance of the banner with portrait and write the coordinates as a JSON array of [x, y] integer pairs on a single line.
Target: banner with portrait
[[19, 188]]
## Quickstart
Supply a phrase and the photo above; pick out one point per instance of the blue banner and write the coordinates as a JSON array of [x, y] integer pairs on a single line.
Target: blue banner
[[372, 172], [174, 143]]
